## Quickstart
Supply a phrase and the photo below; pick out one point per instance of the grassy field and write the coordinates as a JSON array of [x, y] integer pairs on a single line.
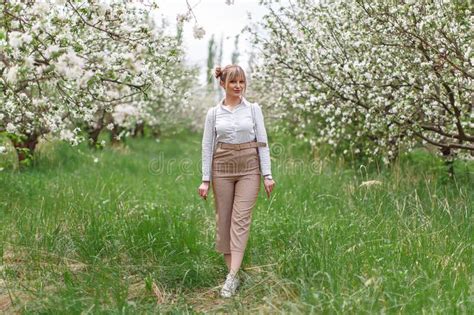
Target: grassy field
[[124, 231]]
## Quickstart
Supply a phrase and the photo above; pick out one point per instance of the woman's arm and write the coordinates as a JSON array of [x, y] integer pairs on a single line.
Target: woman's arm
[[264, 152], [207, 149]]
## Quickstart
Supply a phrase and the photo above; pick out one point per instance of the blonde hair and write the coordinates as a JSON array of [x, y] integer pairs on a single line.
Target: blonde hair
[[229, 73]]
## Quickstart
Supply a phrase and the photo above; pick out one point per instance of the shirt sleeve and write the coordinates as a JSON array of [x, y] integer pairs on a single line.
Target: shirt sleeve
[[264, 152], [207, 147]]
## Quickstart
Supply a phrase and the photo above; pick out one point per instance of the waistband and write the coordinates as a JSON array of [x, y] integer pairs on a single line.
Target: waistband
[[240, 146]]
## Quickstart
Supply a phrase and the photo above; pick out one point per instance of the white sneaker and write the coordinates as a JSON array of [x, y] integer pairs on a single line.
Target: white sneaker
[[230, 285]]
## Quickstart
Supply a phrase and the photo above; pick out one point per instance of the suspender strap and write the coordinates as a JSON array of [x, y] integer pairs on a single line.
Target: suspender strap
[[253, 120], [260, 144]]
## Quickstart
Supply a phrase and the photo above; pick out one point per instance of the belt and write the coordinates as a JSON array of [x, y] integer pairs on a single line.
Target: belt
[[240, 146]]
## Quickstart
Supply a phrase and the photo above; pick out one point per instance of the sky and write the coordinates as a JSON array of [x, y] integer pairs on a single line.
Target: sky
[[218, 18]]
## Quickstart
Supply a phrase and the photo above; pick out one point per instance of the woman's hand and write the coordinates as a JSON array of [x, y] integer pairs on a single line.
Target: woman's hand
[[269, 184], [203, 189]]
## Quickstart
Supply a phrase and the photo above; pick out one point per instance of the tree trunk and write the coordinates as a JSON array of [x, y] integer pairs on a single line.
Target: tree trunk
[[114, 135], [139, 129], [448, 160], [94, 136], [156, 132], [26, 148]]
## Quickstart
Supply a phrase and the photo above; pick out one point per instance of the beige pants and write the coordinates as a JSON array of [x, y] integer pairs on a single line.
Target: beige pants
[[235, 184]]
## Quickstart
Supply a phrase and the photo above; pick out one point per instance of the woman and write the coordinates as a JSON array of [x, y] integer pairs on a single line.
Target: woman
[[235, 155]]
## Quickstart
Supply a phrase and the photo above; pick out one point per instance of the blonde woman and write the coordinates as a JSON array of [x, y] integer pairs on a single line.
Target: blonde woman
[[235, 155]]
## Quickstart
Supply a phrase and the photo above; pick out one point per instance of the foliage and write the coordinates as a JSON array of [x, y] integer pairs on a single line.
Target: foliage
[[74, 66], [371, 78], [125, 232]]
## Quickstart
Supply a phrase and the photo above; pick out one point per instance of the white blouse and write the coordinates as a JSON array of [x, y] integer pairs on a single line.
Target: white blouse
[[233, 126]]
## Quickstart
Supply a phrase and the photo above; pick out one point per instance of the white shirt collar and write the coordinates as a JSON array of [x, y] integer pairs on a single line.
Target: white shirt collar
[[243, 101]]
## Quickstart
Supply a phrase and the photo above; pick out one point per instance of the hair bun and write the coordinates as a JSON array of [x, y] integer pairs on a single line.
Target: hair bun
[[218, 72]]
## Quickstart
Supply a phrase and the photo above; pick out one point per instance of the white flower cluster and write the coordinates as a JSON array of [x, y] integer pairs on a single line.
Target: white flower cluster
[[370, 77], [72, 65], [198, 32]]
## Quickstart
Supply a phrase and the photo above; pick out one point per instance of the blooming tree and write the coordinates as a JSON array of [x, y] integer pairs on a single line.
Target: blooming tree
[[371, 77], [67, 63]]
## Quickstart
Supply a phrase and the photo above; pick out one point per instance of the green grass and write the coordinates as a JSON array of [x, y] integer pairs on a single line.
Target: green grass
[[129, 234]]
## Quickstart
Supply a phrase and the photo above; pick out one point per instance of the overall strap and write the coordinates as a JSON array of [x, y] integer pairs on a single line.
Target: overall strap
[[214, 129], [214, 118], [260, 144], [253, 120]]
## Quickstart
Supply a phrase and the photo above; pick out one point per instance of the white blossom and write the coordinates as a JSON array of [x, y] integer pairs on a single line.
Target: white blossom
[[12, 74], [66, 134], [15, 39], [11, 128], [77, 72], [198, 31], [350, 68]]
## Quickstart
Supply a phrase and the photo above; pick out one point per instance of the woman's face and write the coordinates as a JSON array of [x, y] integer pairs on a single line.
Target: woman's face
[[235, 87]]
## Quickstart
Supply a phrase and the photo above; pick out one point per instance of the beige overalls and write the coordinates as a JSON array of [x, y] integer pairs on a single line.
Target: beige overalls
[[236, 184]]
